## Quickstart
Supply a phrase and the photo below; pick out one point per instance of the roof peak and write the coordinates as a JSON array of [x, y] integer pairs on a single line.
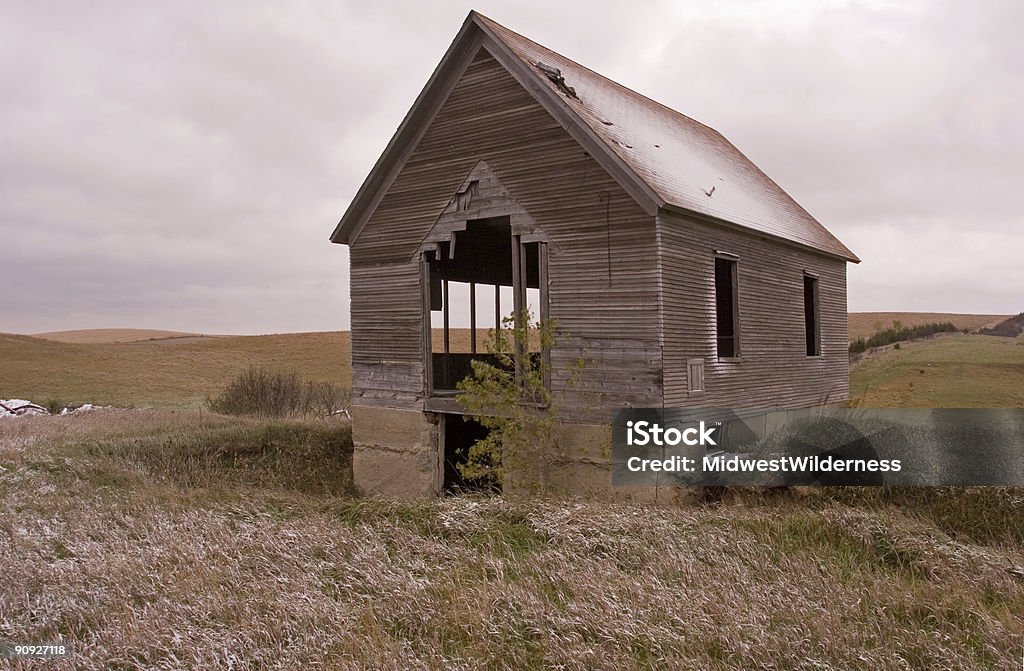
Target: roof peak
[[491, 23]]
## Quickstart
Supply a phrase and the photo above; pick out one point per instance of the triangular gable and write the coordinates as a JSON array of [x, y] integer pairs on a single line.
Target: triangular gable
[[473, 35], [481, 196]]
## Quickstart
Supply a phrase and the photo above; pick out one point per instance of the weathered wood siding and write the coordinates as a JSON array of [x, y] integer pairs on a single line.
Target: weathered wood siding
[[603, 270], [773, 369]]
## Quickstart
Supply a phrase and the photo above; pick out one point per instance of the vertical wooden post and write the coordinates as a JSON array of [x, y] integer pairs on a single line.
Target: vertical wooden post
[[518, 301], [472, 317], [542, 309], [447, 344], [427, 331], [497, 309], [446, 360]]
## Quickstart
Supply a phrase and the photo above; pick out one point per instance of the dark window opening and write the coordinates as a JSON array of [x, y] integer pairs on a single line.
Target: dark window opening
[[726, 314], [460, 434], [811, 323]]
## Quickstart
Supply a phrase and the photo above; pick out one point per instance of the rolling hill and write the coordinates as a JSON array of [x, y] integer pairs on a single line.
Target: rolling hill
[[167, 373], [959, 371], [173, 369], [864, 324], [110, 336]]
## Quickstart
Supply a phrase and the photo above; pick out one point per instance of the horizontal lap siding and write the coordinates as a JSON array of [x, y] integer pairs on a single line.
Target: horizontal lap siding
[[387, 367], [613, 320], [774, 369]]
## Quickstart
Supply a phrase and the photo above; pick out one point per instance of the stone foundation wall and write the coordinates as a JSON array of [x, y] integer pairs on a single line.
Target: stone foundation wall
[[395, 455], [395, 452]]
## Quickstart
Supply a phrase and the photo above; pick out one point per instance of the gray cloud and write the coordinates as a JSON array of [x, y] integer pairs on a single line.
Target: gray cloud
[[181, 166]]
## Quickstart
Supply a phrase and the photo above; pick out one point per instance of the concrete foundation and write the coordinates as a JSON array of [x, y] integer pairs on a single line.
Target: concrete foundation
[[395, 452]]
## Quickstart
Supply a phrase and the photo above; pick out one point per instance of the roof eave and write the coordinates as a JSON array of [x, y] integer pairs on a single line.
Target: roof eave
[[676, 209]]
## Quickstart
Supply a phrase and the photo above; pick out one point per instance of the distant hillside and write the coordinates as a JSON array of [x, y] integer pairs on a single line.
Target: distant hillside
[[177, 369], [861, 324], [958, 371], [174, 373], [864, 324], [108, 336], [1009, 328]]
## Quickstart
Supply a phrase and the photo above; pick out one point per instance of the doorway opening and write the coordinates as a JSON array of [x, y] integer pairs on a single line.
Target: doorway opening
[[459, 435]]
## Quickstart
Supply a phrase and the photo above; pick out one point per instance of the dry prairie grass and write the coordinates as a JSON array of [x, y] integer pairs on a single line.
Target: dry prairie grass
[[170, 541], [170, 374]]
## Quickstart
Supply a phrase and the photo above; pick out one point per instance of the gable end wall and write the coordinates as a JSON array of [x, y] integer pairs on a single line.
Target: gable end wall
[[602, 265]]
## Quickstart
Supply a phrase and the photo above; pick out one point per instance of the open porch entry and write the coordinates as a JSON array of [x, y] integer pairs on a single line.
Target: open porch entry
[[476, 280]]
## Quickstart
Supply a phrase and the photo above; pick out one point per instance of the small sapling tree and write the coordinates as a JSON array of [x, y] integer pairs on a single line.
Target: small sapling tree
[[509, 393]]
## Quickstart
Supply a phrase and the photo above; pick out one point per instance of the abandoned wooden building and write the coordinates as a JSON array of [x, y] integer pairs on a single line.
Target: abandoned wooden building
[[520, 178]]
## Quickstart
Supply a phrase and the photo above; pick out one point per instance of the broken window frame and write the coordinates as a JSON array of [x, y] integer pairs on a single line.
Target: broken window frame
[[521, 242]]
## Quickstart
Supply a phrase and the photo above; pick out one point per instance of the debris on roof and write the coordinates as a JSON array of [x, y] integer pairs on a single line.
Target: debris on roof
[[555, 75]]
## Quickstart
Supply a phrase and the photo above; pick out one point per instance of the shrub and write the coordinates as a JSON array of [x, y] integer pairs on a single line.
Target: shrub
[[897, 332], [260, 392], [1008, 328], [512, 399], [325, 399]]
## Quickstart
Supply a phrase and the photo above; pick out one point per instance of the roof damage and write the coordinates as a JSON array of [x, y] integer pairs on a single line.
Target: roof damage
[[555, 75]]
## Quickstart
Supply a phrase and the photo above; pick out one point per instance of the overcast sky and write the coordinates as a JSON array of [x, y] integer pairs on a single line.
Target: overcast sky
[[180, 165]]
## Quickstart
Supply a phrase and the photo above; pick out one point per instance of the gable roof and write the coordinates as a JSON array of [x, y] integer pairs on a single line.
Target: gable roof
[[664, 159]]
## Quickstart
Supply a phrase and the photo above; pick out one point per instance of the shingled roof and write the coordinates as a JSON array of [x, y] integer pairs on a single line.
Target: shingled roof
[[663, 158]]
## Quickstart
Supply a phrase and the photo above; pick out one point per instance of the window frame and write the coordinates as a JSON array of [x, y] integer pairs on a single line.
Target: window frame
[[812, 317], [734, 261]]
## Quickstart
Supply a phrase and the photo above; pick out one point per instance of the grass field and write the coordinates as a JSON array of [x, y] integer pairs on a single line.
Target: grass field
[[160, 539], [160, 374], [167, 541], [126, 367], [953, 371]]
